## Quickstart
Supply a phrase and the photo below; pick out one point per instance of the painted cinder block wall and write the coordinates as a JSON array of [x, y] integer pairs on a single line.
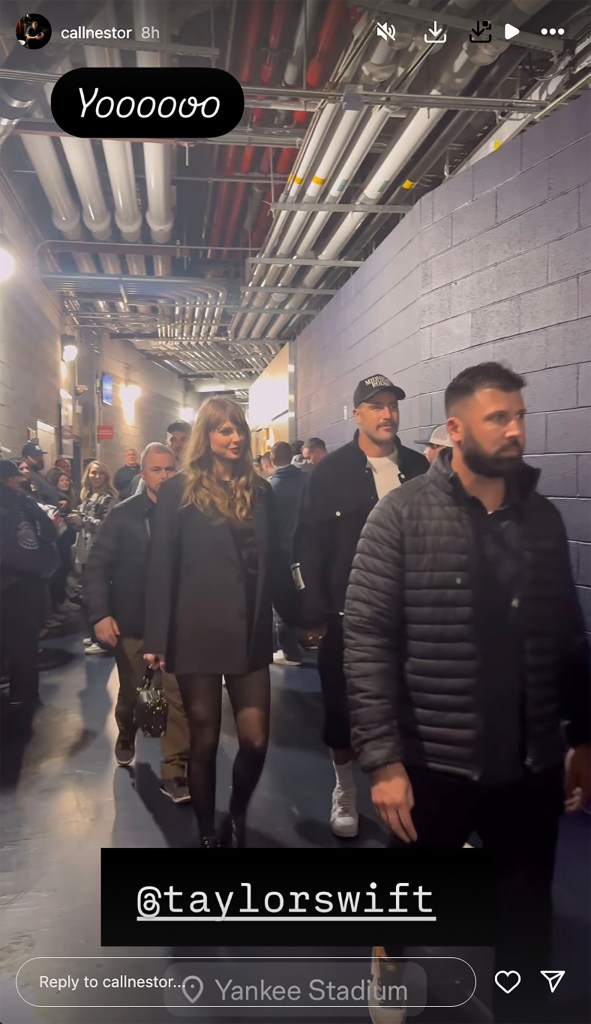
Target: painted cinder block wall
[[493, 264]]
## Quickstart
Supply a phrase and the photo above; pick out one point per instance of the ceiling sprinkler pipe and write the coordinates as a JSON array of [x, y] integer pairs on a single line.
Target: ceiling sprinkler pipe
[[65, 214]]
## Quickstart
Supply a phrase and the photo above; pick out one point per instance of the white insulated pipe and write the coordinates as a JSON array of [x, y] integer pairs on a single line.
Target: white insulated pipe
[[461, 71], [268, 275], [157, 156], [65, 214], [294, 68], [95, 214]]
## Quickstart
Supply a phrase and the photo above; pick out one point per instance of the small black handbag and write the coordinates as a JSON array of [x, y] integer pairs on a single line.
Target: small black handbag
[[151, 706]]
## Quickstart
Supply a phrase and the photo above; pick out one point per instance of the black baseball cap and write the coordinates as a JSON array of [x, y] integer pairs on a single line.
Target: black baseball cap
[[178, 426], [8, 469], [371, 386], [32, 448]]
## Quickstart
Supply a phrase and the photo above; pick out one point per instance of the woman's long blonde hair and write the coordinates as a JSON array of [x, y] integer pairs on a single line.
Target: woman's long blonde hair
[[87, 490], [202, 487]]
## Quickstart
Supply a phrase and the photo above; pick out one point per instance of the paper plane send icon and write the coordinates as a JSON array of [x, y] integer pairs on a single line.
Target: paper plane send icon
[[553, 978]]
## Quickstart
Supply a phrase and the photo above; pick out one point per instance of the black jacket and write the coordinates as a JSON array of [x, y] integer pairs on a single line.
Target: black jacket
[[123, 479], [115, 575], [337, 498], [196, 610], [27, 539], [287, 483], [412, 657]]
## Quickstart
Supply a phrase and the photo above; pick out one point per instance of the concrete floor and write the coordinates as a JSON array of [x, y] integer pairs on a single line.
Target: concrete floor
[[63, 798]]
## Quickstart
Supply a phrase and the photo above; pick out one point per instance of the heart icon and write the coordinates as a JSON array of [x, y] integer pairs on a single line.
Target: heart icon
[[192, 988], [507, 980]]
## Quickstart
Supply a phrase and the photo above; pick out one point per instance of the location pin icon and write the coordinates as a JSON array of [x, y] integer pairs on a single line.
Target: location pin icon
[[192, 988]]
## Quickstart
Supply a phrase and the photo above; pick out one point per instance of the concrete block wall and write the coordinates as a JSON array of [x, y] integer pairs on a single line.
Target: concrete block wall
[[493, 264], [160, 402]]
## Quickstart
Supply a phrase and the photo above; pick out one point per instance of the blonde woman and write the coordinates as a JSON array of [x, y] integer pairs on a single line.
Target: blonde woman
[[213, 578], [97, 499]]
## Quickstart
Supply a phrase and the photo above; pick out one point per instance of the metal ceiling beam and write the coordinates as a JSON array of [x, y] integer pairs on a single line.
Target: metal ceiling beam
[[178, 179], [132, 249], [398, 100], [136, 301], [286, 261], [239, 137], [310, 99], [313, 207], [447, 20], [281, 289]]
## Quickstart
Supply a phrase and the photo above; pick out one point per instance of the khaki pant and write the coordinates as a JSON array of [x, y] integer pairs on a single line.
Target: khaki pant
[[175, 743]]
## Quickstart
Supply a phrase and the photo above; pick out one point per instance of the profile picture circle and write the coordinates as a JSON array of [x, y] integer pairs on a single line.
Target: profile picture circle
[[33, 31]]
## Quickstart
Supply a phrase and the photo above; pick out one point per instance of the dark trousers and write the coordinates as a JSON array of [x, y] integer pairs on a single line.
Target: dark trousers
[[287, 639], [337, 730], [23, 609], [175, 742], [519, 822], [59, 579]]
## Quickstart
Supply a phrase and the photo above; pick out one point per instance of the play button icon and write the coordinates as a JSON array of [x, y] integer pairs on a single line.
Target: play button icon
[[510, 31]]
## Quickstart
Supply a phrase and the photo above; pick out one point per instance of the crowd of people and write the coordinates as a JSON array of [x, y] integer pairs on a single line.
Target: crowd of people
[[437, 587]]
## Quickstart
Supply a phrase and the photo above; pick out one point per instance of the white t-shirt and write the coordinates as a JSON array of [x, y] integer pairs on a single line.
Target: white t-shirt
[[385, 470]]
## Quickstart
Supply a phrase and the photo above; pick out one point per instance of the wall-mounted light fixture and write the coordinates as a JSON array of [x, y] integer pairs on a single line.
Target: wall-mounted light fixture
[[69, 348], [7, 263], [69, 353], [129, 396]]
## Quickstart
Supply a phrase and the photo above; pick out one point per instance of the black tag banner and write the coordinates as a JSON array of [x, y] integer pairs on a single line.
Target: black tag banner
[[265, 897]]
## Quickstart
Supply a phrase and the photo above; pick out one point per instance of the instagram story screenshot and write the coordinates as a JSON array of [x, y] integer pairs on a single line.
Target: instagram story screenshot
[[295, 511]]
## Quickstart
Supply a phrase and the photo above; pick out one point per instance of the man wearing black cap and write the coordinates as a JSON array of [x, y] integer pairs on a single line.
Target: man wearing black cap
[[339, 494], [41, 489]]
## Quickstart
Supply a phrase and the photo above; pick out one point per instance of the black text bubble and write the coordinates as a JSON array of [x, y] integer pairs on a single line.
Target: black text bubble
[[155, 103]]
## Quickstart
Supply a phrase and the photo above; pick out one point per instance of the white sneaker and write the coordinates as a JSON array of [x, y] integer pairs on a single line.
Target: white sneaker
[[344, 819], [94, 649], [379, 1012], [280, 659], [87, 641]]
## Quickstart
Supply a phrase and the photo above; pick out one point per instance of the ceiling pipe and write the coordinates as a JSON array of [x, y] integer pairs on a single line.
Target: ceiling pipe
[[65, 213], [18, 99], [329, 171], [252, 33], [157, 158], [292, 75], [315, 74], [119, 155], [278, 20], [403, 148]]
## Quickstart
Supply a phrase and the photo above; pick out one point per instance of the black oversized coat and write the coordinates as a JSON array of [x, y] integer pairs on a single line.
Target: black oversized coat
[[196, 613]]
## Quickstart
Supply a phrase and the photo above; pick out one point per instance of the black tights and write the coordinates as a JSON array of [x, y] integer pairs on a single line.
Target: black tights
[[250, 698]]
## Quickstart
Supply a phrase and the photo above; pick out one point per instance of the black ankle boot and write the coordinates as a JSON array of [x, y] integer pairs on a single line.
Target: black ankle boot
[[234, 833], [210, 843]]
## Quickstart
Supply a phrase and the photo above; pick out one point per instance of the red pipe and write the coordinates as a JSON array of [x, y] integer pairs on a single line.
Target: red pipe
[[253, 27], [221, 200], [280, 12], [284, 164], [255, 20], [326, 39]]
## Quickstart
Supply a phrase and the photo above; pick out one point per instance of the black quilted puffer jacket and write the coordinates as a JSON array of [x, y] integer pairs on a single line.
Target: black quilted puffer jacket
[[411, 653]]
